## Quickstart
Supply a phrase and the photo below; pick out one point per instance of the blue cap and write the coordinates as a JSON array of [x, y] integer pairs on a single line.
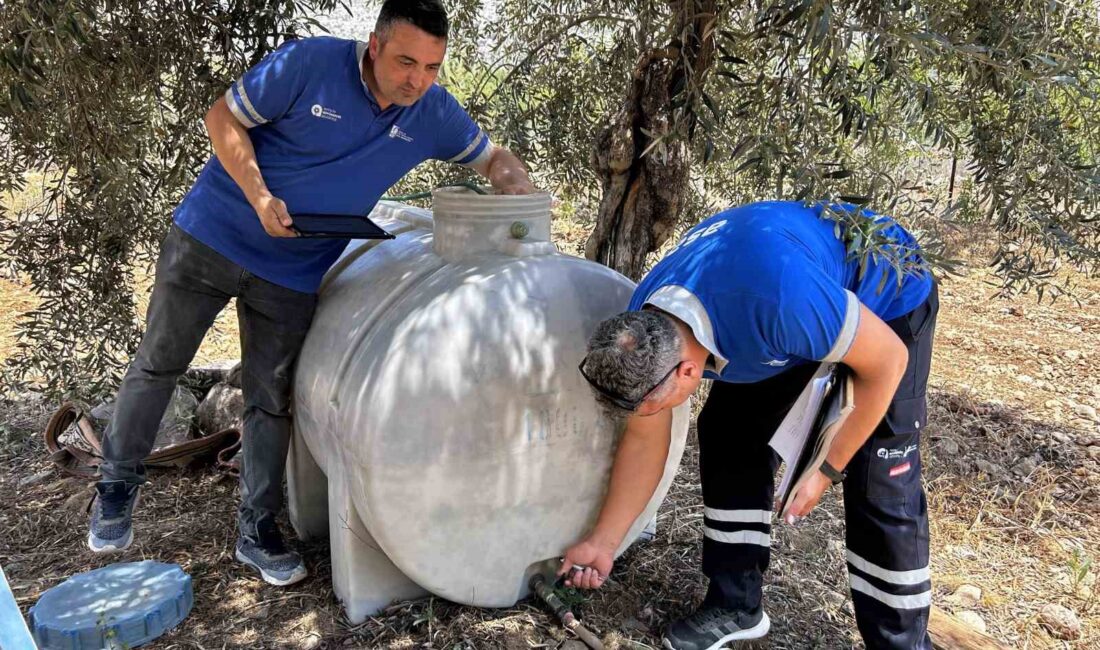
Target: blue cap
[[118, 606]]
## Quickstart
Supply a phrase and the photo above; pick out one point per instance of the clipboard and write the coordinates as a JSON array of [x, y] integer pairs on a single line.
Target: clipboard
[[337, 226], [832, 410]]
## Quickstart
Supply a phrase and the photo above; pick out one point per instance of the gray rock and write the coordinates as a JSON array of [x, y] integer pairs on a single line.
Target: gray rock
[[223, 408], [202, 378], [1061, 622], [79, 501], [973, 619], [949, 446], [1072, 355], [234, 376], [103, 411], [988, 468], [633, 624], [175, 426], [35, 479], [967, 595], [1086, 411], [963, 552], [1025, 467], [1060, 436]]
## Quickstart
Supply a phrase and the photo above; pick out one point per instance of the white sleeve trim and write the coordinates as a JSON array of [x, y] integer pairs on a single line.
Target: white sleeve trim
[[235, 109], [483, 157], [683, 304], [847, 334], [469, 149], [248, 107]]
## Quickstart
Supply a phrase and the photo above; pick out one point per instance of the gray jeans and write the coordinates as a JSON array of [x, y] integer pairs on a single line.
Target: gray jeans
[[193, 284]]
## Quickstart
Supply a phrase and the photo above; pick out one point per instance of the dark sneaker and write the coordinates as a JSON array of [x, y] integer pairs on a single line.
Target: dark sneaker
[[713, 627], [111, 527], [277, 564]]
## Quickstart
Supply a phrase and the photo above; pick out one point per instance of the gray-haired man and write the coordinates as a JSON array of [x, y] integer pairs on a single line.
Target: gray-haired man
[[753, 297]]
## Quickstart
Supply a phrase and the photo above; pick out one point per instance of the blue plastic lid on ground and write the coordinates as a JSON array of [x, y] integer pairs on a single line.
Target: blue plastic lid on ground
[[118, 606]]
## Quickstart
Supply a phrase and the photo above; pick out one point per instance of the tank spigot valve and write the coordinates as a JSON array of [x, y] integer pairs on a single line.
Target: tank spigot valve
[[545, 591], [520, 229]]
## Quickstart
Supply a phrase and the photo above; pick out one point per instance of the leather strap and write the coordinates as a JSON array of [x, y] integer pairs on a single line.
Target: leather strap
[[84, 462]]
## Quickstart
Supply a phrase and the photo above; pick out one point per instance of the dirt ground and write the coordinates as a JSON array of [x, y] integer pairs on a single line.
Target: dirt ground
[[1011, 461]]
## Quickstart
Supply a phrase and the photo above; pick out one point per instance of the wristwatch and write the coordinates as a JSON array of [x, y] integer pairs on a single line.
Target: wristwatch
[[835, 475]]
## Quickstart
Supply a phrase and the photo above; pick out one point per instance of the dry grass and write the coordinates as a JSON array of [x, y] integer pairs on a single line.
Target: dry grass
[[1010, 528]]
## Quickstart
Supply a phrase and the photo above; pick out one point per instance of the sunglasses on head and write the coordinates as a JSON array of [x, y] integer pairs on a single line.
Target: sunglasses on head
[[619, 400]]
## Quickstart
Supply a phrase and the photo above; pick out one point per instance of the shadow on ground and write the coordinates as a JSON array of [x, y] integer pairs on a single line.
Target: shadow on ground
[[1011, 497]]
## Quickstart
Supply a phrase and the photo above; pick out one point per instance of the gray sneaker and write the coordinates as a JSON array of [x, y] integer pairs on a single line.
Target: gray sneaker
[[277, 564], [111, 527], [713, 627]]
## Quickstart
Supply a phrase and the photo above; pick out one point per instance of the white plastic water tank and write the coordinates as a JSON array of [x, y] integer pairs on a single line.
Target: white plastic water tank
[[445, 440]]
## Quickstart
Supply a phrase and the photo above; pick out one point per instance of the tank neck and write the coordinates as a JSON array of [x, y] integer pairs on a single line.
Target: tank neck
[[468, 224]]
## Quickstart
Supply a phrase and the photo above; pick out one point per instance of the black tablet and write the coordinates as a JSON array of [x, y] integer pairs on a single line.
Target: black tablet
[[344, 226]]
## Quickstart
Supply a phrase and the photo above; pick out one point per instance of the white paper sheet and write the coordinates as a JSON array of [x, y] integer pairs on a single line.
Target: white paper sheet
[[790, 437]]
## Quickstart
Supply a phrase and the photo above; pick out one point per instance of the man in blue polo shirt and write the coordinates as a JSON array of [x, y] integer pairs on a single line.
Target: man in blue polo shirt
[[320, 126], [756, 297]]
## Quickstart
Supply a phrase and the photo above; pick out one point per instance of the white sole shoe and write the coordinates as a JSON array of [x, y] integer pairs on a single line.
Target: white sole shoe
[[297, 575], [754, 632], [97, 545], [104, 546]]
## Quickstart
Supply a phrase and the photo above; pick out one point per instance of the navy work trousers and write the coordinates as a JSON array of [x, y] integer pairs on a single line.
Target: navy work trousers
[[884, 503]]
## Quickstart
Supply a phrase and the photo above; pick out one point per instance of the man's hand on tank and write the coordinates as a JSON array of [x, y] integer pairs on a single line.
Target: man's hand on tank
[[274, 216], [587, 564]]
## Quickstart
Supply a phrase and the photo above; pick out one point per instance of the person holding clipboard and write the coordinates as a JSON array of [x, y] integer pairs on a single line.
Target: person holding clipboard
[[757, 298], [321, 127]]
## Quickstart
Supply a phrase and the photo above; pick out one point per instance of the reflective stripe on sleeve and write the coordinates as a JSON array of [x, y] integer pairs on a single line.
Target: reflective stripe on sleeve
[[847, 334]]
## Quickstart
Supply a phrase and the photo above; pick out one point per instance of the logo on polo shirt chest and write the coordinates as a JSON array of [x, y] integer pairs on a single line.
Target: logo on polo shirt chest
[[324, 113], [397, 134]]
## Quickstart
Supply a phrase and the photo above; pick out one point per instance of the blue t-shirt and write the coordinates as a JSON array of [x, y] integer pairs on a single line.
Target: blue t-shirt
[[768, 286], [324, 147]]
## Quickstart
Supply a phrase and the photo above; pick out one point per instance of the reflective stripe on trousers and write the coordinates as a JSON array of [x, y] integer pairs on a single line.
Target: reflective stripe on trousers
[[885, 507]]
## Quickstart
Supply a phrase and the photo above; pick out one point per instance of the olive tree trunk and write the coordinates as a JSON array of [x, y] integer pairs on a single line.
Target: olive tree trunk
[[643, 155]]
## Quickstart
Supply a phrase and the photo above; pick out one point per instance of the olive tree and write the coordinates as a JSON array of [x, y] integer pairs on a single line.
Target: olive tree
[[101, 104], [658, 111], [641, 115]]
